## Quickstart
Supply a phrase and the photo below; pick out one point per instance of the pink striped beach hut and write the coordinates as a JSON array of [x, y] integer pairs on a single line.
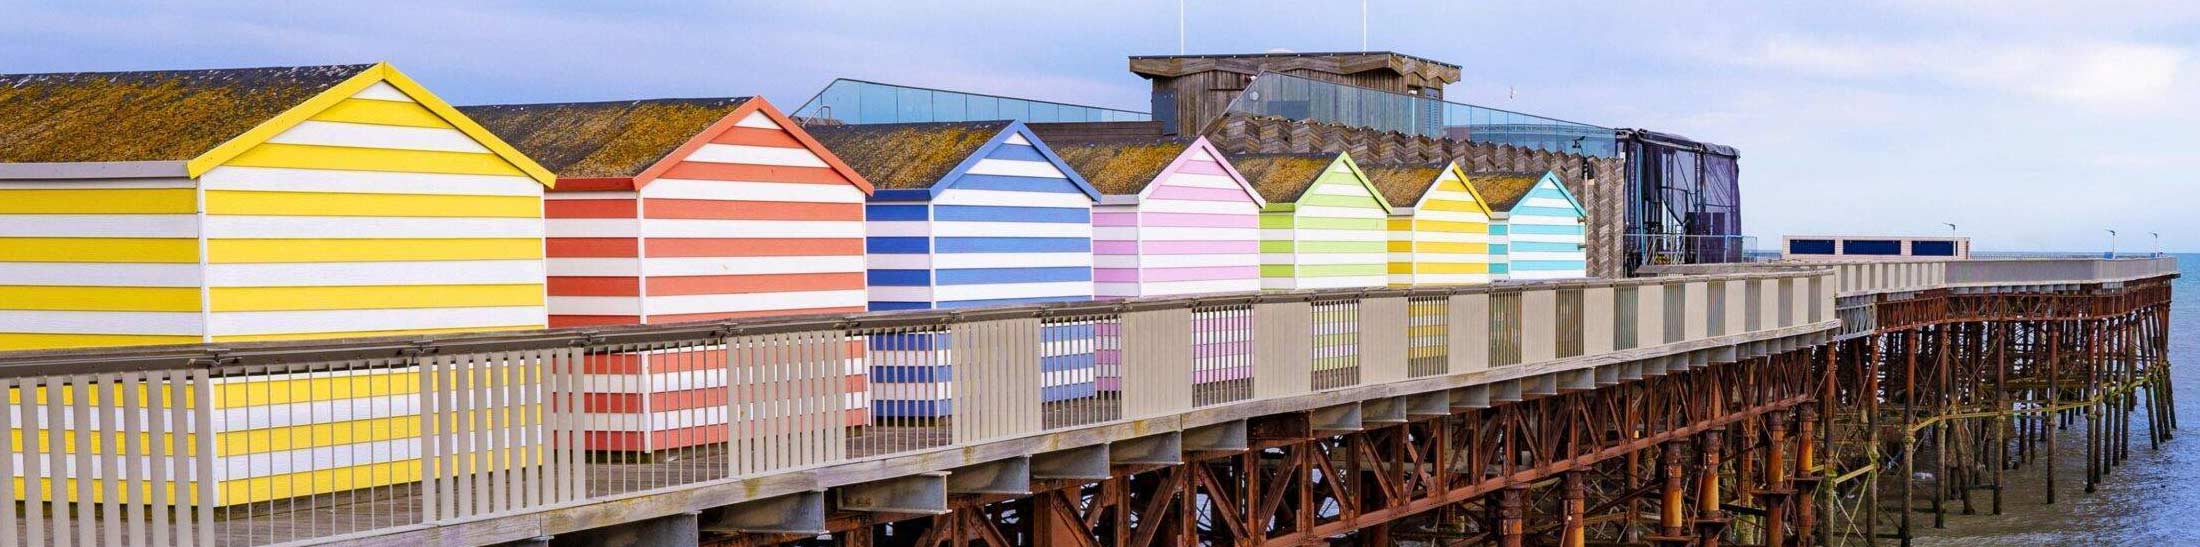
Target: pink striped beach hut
[[1174, 219]]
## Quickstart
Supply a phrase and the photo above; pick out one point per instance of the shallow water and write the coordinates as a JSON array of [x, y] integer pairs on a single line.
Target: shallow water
[[2153, 499]]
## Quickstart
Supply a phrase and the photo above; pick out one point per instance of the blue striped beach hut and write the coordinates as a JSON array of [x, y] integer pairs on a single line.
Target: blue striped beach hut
[[1536, 226], [968, 214]]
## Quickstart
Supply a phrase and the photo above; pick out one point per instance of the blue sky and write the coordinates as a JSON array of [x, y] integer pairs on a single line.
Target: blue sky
[[2031, 125]]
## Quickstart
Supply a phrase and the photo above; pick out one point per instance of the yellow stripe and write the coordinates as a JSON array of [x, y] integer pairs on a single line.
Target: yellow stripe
[[1452, 247], [237, 251], [365, 333], [120, 201], [1454, 226], [278, 439], [375, 297], [99, 249], [1450, 268], [381, 113], [24, 297], [10, 341], [168, 490], [339, 479], [146, 397], [306, 156], [1401, 246], [1455, 206], [239, 202]]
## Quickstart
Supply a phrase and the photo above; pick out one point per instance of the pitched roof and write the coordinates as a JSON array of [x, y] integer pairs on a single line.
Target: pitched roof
[[1281, 178], [602, 139], [906, 155], [169, 115], [1404, 184], [1504, 189], [1121, 166]]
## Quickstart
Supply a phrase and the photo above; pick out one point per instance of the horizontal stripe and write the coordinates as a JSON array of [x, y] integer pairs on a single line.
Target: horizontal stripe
[[245, 323], [1376, 238], [748, 247], [277, 179], [448, 272], [1014, 168], [897, 245], [1012, 245], [370, 250], [96, 322], [1574, 238], [1450, 279], [1198, 220], [742, 284], [1178, 247], [440, 139], [1519, 257], [1172, 192], [884, 212], [1011, 214], [1336, 187], [373, 159], [374, 297], [1547, 274], [1326, 211], [1201, 175], [99, 202], [1520, 212], [697, 170], [1323, 270], [747, 190], [1162, 233], [1176, 261], [1075, 296], [705, 266], [76, 225], [233, 202], [898, 278], [330, 335], [948, 229], [97, 274], [82, 298], [755, 155], [1248, 271], [1522, 247], [299, 227], [970, 196], [748, 210], [692, 228], [1431, 237], [1326, 258], [356, 110], [974, 276], [1555, 203], [705, 303], [1538, 220], [122, 250], [1334, 282], [10, 341], [1165, 288]]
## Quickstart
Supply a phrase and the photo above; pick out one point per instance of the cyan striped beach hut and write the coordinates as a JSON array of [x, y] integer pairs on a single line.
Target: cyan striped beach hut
[[968, 214], [1324, 225], [1439, 227], [1536, 226], [1174, 218]]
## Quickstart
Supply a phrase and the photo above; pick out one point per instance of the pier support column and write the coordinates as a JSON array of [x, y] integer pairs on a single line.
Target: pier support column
[[1574, 531], [1512, 516], [1806, 463], [1710, 522], [1670, 529]]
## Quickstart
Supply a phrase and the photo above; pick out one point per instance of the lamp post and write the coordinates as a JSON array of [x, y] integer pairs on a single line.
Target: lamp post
[[1951, 228], [2157, 242], [2111, 243]]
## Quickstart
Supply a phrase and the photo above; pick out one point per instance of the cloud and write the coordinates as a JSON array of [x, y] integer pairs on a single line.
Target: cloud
[[2107, 76]]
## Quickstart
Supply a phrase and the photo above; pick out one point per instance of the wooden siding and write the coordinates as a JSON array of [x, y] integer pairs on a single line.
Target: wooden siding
[[1011, 225], [1335, 235], [1543, 235], [99, 263], [1195, 229], [1444, 239]]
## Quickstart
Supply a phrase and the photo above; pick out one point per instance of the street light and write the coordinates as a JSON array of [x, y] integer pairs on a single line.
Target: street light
[[2157, 242], [2111, 242], [1951, 228]]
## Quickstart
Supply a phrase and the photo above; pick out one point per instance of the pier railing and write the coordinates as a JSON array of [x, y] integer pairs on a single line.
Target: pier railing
[[306, 442]]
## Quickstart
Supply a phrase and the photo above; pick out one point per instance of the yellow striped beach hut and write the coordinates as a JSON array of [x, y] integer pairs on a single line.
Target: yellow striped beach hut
[[231, 205], [1439, 226]]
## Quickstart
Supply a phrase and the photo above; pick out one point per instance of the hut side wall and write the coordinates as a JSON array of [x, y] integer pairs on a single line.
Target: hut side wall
[[1197, 230], [1445, 241], [87, 263]]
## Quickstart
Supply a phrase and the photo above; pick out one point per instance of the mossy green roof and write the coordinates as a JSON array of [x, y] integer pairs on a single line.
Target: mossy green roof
[[906, 156], [1282, 178], [1504, 189], [168, 115], [1121, 166], [1403, 184], [602, 139]]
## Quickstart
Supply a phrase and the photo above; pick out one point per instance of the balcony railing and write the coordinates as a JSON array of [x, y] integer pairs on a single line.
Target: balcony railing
[[1297, 98], [857, 102]]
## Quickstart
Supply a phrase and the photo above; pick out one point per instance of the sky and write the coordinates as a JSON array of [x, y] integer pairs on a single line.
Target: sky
[[2031, 125]]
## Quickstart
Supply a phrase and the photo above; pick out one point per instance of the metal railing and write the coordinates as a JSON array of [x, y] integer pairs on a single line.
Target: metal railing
[[298, 442], [1874, 276], [857, 102], [1298, 98]]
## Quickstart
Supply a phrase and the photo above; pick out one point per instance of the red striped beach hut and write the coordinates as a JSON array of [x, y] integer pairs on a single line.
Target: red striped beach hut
[[675, 210]]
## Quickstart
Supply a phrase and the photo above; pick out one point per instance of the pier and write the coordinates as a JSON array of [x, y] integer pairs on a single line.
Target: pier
[[1758, 403]]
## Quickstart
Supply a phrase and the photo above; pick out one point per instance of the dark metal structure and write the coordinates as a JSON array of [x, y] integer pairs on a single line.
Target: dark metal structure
[[1684, 203]]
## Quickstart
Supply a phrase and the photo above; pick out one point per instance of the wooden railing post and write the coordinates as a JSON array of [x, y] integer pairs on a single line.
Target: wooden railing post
[[1283, 354], [1649, 315], [1598, 321], [1156, 365], [1538, 326], [1470, 332], [997, 378], [1383, 339]]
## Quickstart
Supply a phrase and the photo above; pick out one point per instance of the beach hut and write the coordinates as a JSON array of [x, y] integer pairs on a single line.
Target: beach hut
[[968, 214], [1324, 225], [1535, 226], [672, 210], [1439, 228], [199, 206], [1174, 218]]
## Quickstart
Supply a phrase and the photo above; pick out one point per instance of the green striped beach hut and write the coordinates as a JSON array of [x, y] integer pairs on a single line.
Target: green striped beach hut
[[1324, 225]]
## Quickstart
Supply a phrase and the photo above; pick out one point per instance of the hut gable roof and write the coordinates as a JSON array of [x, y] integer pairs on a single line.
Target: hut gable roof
[[1404, 184], [1505, 189], [907, 156], [1282, 178], [168, 115], [603, 139], [1122, 166]]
